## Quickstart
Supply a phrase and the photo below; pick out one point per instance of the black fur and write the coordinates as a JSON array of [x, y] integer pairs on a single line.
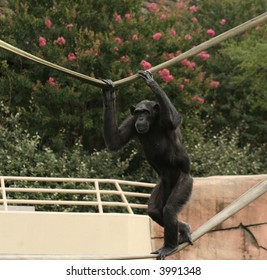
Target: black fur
[[156, 124]]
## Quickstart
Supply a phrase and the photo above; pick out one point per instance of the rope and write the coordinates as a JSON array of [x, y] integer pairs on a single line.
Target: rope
[[241, 202], [90, 80], [195, 50]]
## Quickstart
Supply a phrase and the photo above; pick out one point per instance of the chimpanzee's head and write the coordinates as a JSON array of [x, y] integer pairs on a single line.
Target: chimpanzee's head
[[145, 114]]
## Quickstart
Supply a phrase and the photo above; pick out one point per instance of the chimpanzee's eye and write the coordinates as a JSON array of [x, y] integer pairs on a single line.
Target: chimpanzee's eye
[[145, 112], [141, 112]]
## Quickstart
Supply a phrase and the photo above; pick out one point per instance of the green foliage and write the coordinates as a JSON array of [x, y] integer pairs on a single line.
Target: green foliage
[[222, 155], [21, 155], [241, 100], [56, 120]]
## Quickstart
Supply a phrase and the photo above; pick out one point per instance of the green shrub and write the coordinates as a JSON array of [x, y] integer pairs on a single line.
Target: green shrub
[[222, 155]]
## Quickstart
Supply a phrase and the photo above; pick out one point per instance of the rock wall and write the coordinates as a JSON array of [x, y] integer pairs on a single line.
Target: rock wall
[[241, 237]]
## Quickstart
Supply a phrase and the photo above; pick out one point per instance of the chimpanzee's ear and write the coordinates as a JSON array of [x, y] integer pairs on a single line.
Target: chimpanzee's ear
[[132, 108], [156, 108]]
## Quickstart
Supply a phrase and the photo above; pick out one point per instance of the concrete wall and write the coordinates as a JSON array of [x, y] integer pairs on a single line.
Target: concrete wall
[[242, 236], [73, 233]]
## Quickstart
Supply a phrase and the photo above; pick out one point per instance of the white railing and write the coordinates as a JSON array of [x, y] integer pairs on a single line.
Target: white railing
[[93, 187]]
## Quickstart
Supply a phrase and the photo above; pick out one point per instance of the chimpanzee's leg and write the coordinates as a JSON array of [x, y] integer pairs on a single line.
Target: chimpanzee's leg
[[178, 197], [156, 204]]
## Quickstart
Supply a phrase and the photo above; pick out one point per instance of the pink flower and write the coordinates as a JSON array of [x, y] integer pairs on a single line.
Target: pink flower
[[171, 55], [181, 5], [70, 25], [203, 55], [223, 21], [157, 36], [185, 62], [199, 99], [165, 75], [193, 8], [125, 58], [153, 7], [192, 65], [48, 23], [164, 72], [145, 64], [51, 81], [135, 37], [194, 19], [118, 40], [173, 32], [214, 84], [71, 57], [211, 32], [42, 41], [181, 87], [188, 37], [116, 48], [127, 16], [118, 17], [60, 41], [168, 78], [189, 64], [163, 16]]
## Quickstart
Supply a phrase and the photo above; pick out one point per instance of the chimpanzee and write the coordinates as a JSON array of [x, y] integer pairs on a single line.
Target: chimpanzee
[[156, 124]]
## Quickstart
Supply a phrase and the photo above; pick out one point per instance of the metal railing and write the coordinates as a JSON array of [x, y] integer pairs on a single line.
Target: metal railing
[[91, 193]]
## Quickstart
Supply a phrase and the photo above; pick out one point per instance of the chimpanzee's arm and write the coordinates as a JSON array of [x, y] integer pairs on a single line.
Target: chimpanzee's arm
[[169, 116], [115, 137]]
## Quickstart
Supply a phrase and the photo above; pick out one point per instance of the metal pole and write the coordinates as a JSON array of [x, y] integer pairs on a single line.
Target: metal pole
[[3, 189]]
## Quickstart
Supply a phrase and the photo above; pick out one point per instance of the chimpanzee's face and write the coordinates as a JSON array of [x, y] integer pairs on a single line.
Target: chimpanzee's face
[[144, 113]]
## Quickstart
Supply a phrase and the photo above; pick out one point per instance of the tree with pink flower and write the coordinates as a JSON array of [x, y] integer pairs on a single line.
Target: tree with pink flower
[[115, 41]]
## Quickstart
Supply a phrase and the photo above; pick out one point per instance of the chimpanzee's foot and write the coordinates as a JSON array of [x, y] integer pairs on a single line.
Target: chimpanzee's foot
[[157, 251], [185, 233], [165, 251]]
